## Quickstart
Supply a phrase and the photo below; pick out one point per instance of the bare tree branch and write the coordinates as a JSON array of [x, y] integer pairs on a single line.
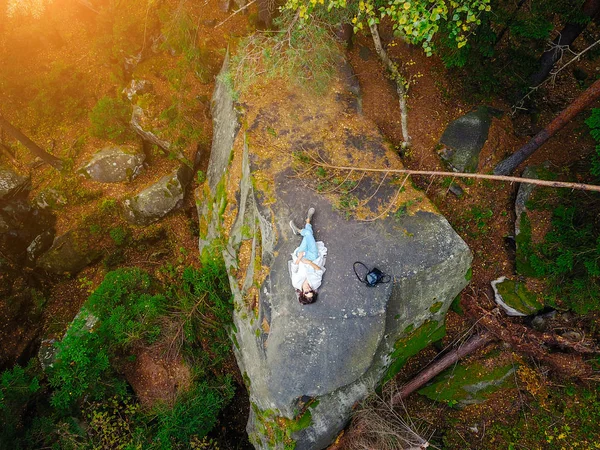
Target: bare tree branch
[[510, 179]]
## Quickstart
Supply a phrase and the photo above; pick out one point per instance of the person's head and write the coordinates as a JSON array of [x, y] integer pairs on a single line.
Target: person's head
[[306, 296]]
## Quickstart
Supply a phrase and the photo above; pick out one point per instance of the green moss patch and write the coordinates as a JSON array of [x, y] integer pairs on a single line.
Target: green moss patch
[[524, 248], [467, 385], [516, 295], [436, 307], [412, 344]]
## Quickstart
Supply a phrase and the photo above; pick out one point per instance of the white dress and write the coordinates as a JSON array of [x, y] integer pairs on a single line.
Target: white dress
[[302, 271]]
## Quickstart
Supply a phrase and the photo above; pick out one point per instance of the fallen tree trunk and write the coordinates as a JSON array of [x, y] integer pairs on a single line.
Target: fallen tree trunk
[[476, 342], [35, 149], [508, 165]]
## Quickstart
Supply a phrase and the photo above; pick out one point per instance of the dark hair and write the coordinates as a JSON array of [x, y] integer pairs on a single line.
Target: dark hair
[[302, 298]]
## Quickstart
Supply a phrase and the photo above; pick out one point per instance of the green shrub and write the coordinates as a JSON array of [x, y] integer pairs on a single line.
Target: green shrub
[[125, 308], [119, 235], [110, 119], [82, 367], [17, 388], [193, 415], [570, 255], [593, 122]]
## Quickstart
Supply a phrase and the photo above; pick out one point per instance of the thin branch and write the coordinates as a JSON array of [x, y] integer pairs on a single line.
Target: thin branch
[[234, 13], [505, 178], [519, 104]]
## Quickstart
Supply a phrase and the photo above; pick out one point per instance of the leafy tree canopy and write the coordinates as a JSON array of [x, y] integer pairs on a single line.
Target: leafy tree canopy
[[417, 21]]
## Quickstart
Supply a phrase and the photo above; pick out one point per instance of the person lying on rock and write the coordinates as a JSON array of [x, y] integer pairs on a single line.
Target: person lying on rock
[[308, 262]]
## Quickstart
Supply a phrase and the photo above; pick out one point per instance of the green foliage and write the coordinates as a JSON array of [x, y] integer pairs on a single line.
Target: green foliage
[[17, 388], [307, 57], [126, 309], [207, 295], [194, 414], [119, 235], [60, 93], [570, 256], [417, 21], [110, 119], [593, 122], [125, 312], [484, 60], [82, 367]]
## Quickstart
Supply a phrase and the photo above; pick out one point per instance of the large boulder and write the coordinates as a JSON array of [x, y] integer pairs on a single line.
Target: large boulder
[[114, 164], [464, 138], [306, 366], [159, 199]]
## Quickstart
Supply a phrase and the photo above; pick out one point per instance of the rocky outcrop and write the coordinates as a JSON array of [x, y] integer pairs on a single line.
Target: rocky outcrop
[[464, 138], [306, 366], [114, 165], [70, 252], [159, 199]]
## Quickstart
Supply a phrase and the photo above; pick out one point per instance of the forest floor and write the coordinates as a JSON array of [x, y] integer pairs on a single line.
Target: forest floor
[[435, 98]]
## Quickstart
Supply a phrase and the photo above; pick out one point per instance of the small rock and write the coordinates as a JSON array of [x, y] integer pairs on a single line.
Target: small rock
[[456, 190], [525, 191], [157, 200], [114, 165], [540, 321], [514, 298]]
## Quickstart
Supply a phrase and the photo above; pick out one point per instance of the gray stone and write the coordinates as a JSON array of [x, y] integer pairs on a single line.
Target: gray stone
[[11, 183], [456, 190], [70, 253], [464, 138], [338, 349], [114, 165], [159, 199]]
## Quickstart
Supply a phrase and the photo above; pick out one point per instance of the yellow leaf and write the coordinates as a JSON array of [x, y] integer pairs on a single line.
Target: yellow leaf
[[407, 6]]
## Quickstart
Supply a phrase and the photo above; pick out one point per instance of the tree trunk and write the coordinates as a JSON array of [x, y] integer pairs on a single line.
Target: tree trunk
[[31, 146], [444, 362], [565, 38], [508, 165], [398, 79]]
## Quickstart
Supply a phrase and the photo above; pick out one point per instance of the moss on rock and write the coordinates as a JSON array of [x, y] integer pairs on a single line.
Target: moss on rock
[[412, 344]]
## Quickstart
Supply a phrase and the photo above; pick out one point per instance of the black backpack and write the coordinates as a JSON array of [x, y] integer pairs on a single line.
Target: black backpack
[[373, 276]]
